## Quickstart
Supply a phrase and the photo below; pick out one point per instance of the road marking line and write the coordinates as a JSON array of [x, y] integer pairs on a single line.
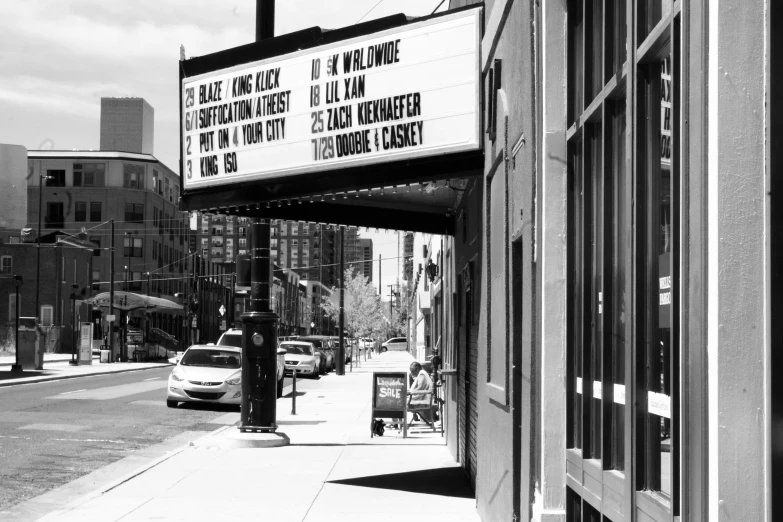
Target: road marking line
[[92, 440], [52, 427], [73, 391], [113, 392], [152, 379]]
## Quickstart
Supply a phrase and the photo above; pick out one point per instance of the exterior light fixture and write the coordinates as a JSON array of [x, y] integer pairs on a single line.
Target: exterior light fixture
[[432, 270]]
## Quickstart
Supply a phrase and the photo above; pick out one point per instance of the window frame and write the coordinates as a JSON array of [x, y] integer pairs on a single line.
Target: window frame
[[3, 269]]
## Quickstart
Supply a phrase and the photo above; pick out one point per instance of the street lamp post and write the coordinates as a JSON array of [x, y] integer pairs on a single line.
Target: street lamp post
[[73, 361], [127, 243], [41, 179]]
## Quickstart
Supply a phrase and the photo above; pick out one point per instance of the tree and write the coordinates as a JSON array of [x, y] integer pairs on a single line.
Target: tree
[[362, 308]]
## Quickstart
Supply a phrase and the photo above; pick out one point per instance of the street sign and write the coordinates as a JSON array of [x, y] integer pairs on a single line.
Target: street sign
[[405, 93], [223, 324], [222, 310], [111, 317]]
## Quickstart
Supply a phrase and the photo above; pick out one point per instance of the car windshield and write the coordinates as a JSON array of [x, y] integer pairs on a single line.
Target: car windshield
[[230, 340], [297, 349], [316, 342], [212, 359]]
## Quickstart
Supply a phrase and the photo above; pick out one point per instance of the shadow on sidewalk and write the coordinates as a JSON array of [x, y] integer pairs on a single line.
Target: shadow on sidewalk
[[448, 482]]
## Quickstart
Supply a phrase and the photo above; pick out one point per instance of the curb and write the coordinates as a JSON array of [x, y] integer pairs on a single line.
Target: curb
[[94, 358], [48, 378]]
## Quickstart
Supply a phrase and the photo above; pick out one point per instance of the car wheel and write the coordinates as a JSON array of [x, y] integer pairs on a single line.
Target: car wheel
[[171, 404], [322, 369], [383, 349]]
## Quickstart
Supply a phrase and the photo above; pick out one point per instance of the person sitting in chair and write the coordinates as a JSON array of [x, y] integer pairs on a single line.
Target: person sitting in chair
[[421, 383]]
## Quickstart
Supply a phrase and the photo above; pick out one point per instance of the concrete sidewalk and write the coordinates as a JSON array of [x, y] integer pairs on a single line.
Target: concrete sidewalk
[[332, 469], [60, 369]]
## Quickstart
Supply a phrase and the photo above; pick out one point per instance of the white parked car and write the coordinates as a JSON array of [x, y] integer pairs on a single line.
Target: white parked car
[[395, 344], [302, 357], [207, 374]]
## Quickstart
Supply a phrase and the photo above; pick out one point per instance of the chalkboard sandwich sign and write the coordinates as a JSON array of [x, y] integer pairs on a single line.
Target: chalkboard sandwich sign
[[390, 398]]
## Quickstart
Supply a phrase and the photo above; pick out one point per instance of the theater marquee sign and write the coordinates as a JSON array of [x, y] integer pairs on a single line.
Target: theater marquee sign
[[403, 93]]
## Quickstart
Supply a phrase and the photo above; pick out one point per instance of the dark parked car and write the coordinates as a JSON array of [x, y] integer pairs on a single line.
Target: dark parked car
[[325, 350]]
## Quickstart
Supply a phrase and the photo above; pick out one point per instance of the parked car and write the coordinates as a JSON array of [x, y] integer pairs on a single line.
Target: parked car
[[301, 356], [233, 337], [209, 373], [325, 350], [395, 344], [347, 351]]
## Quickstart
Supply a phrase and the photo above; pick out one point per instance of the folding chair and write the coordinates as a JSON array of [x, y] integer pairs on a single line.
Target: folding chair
[[414, 408]]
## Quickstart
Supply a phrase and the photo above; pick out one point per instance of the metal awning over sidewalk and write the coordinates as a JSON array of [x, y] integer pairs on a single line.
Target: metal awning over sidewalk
[[129, 301]]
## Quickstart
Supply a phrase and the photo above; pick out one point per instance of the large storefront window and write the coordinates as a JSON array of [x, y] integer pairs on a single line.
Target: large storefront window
[[623, 258]]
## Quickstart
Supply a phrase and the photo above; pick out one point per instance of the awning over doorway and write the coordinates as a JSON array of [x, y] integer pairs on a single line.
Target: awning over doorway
[[129, 301]]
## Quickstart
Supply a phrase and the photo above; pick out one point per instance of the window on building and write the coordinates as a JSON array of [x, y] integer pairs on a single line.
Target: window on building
[[132, 246], [155, 180], [47, 315], [12, 306], [89, 174], [134, 176], [96, 278], [134, 212], [154, 249], [623, 249], [243, 252], [294, 263], [167, 189], [6, 265], [95, 211], [242, 231], [204, 224], [55, 217], [80, 211], [243, 242], [96, 240], [294, 228], [135, 282], [55, 178]]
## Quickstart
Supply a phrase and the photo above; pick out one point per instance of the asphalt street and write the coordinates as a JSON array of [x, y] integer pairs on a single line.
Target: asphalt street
[[54, 432]]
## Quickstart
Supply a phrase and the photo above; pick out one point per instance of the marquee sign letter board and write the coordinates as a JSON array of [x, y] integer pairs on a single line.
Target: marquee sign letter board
[[408, 92]]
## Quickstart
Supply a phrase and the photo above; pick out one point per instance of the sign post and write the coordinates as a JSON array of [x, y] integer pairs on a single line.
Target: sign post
[[390, 398]]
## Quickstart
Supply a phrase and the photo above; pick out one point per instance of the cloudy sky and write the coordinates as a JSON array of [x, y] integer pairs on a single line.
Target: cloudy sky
[[59, 57]]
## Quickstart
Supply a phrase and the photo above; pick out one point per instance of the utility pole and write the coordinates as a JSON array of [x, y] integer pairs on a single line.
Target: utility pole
[[111, 293], [379, 275], [341, 348]]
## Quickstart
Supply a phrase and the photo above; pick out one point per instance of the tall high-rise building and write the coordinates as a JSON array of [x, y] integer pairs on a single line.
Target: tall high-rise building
[[365, 258], [127, 125]]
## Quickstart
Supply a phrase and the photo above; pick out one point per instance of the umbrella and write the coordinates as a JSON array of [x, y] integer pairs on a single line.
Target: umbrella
[[130, 301]]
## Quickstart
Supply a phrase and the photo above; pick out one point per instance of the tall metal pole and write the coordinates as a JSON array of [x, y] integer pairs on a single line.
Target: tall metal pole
[[111, 294], [38, 242], [259, 324], [341, 349], [380, 292]]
